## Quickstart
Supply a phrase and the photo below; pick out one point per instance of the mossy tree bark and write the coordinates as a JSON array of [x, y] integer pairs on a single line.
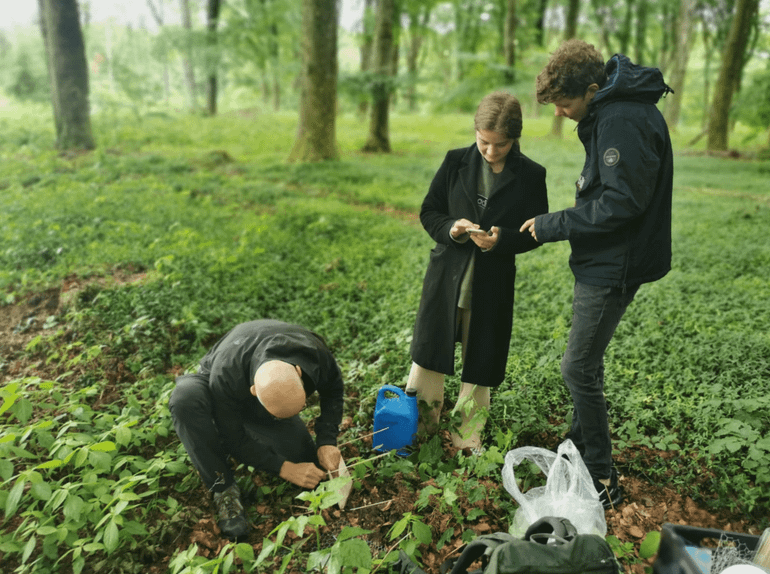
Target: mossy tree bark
[[730, 73], [68, 73], [379, 136], [316, 133]]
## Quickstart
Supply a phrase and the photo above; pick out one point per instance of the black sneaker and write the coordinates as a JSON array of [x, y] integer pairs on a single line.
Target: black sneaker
[[612, 495], [231, 518]]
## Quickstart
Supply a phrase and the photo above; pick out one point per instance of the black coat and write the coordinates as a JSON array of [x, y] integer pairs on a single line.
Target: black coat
[[519, 194]]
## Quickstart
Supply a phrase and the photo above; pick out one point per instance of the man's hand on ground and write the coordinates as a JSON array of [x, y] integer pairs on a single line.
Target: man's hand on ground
[[329, 456], [304, 474]]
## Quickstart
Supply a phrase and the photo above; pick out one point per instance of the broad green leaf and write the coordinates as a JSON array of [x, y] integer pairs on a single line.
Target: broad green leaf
[[104, 446], [6, 469], [23, 410], [100, 460], [41, 490], [177, 467], [650, 545], [13, 498], [123, 436], [7, 403], [29, 549], [356, 552], [351, 532], [422, 532], [245, 552], [55, 463], [111, 537], [73, 507]]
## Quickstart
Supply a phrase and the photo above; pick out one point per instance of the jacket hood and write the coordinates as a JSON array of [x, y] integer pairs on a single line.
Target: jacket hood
[[627, 81]]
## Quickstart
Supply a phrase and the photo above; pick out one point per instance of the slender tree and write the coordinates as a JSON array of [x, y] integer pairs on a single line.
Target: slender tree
[[187, 58], [212, 20], [365, 49], [683, 39], [573, 11], [730, 73], [418, 12], [509, 42], [379, 138], [157, 14], [316, 132], [68, 73]]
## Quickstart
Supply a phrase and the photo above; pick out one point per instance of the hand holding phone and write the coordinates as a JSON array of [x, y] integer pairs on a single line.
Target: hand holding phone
[[480, 231]]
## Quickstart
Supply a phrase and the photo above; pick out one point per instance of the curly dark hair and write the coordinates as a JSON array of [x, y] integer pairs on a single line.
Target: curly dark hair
[[573, 67], [499, 112]]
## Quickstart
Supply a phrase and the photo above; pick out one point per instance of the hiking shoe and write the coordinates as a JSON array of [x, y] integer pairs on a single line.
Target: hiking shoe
[[231, 518], [612, 495]]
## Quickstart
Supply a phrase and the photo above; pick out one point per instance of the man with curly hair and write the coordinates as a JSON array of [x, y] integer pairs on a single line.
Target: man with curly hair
[[619, 229]]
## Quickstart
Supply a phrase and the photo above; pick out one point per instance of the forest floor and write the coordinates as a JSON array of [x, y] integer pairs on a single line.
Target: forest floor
[[375, 506]]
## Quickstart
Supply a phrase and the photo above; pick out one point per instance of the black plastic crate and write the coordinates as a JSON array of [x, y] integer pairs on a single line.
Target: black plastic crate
[[682, 550]]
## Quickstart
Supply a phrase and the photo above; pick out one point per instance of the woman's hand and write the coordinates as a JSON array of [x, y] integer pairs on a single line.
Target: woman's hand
[[461, 227], [486, 241]]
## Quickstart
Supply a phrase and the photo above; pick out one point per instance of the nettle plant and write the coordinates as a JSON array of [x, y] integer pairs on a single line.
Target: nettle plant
[[75, 485]]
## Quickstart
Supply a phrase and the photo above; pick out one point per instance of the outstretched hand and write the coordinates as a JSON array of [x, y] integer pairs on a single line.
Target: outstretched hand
[[304, 474], [529, 226]]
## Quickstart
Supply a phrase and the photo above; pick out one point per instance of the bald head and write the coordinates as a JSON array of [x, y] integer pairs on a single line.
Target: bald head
[[278, 386]]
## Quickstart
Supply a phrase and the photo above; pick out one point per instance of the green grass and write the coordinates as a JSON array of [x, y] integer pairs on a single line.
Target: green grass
[[227, 232]]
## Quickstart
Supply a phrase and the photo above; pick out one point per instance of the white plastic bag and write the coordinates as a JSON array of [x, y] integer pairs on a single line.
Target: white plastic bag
[[568, 492]]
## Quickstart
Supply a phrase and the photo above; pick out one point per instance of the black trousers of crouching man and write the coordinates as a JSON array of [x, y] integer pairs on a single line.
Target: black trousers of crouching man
[[192, 411]]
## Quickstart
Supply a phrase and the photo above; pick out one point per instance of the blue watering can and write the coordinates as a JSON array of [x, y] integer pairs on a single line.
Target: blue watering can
[[395, 419]]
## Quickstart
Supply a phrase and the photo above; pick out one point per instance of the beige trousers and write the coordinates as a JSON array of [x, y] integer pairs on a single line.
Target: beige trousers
[[473, 401]]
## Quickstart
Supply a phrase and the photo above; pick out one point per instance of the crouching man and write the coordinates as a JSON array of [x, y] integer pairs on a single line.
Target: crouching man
[[245, 401]]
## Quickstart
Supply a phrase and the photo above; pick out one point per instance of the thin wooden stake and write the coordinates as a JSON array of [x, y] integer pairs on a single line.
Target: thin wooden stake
[[362, 437], [372, 504], [368, 459]]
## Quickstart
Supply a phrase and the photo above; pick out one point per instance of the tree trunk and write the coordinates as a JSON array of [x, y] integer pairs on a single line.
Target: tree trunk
[[730, 73], [640, 35], [509, 44], [379, 139], [573, 12], [187, 65], [157, 14], [212, 20], [367, 42], [68, 73], [683, 39], [418, 19], [542, 7], [316, 132]]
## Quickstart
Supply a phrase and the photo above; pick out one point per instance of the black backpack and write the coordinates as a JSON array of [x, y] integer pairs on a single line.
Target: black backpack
[[550, 546]]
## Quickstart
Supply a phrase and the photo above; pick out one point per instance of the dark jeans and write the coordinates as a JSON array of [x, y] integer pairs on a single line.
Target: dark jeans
[[596, 314], [193, 415]]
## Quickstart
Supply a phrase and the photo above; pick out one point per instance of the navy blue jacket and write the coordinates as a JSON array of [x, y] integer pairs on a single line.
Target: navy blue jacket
[[620, 226]]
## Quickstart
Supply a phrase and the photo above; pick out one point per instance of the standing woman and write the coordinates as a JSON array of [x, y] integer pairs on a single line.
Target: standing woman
[[476, 203]]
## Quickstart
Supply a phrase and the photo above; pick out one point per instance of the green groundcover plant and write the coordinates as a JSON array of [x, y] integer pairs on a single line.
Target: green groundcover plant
[[213, 228]]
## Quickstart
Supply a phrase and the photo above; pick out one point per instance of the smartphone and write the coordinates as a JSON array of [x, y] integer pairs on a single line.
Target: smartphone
[[479, 231]]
